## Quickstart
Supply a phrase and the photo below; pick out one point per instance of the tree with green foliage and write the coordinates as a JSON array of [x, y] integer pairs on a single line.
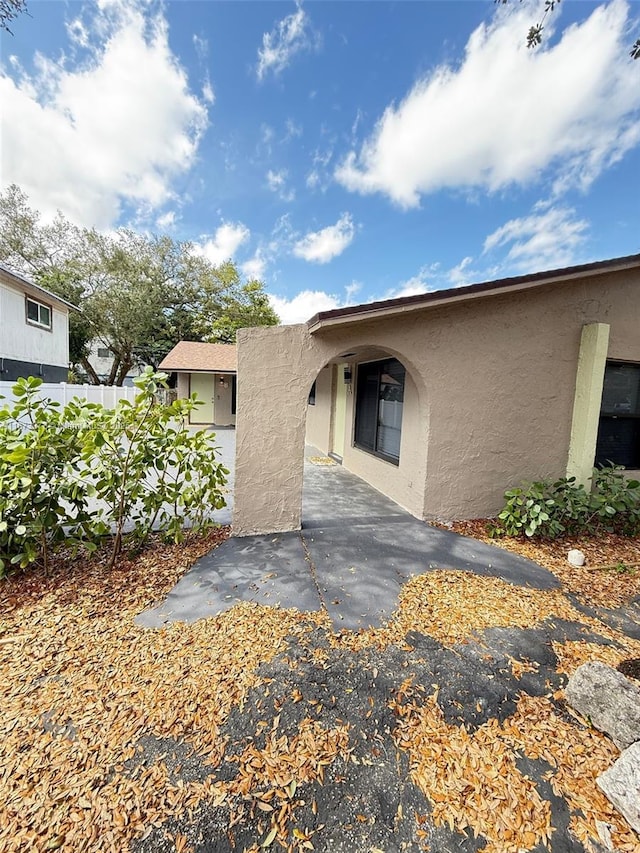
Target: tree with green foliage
[[227, 304], [139, 295]]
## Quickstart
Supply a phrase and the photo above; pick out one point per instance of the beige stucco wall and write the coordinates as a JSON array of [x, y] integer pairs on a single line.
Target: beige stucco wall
[[318, 425], [488, 402]]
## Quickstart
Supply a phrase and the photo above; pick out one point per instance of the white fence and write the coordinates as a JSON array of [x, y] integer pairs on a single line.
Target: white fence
[[62, 392]]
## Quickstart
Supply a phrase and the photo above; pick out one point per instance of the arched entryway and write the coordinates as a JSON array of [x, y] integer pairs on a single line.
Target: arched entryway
[[369, 411]]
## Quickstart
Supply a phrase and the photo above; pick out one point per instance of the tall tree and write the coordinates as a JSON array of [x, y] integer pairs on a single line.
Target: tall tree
[[138, 295], [225, 304]]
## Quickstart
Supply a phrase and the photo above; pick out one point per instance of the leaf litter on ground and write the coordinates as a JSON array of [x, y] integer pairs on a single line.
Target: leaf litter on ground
[[82, 686]]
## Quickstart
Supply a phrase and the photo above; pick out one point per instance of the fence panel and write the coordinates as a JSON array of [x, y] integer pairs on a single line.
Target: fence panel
[[62, 393]]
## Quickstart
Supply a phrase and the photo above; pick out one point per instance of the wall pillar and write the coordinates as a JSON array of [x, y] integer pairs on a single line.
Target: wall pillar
[[276, 367], [594, 344]]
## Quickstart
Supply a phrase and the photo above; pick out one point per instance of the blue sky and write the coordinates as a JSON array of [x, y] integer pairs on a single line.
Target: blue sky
[[339, 151]]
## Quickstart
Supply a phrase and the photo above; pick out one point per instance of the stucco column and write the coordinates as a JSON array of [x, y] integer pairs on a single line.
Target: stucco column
[[594, 344], [275, 371]]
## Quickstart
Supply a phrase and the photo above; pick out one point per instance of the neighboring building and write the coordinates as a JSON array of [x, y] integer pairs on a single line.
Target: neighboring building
[[444, 400], [208, 370], [100, 358], [34, 330]]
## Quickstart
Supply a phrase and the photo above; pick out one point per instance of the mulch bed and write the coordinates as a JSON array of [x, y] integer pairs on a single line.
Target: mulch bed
[[609, 578], [263, 729]]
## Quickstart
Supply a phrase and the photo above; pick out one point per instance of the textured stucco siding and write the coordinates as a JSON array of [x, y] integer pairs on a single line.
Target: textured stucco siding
[[489, 397], [318, 427]]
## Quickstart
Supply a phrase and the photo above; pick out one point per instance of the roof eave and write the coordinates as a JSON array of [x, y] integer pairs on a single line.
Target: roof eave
[[435, 299], [36, 289]]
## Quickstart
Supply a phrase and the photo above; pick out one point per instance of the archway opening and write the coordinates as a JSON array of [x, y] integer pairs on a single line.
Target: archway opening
[[363, 415]]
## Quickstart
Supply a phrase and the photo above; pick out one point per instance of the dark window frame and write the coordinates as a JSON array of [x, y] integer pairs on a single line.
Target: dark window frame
[[38, 324], [628, 421], [367, 406]]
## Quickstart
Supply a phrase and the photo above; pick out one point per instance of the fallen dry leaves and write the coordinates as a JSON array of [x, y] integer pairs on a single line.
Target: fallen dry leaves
[[472, 780], [610, 577], [81, 683], [577, 756], [452, 606]]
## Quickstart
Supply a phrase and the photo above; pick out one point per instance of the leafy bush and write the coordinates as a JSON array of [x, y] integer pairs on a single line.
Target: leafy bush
[[73, 475], [43, 500], [564, 507]]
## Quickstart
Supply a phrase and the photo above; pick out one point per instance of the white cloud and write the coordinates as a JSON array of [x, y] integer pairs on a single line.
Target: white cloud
[[462, 273], [167, 220], [277, 183], [546, 239], [115, 129], [225, 242], [319, 177], [507, 115], [290, 36], [351, 290], [292, 130], [303, 306], [207, 91], [321, 246], [255, 267]]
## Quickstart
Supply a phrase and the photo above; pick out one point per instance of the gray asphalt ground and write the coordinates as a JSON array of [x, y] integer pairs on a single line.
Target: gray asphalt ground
[[355, 550]]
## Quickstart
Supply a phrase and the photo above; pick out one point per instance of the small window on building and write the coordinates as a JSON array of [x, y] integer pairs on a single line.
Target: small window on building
[[619, 431], [104, 352], [38, 314], [312, 395], [379, 403]]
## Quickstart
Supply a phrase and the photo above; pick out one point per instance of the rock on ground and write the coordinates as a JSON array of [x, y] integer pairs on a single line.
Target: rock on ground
[[608, 699], [621, 785]]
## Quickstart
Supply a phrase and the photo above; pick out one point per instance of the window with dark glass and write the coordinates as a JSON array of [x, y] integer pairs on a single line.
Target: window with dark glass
[[379, 402], [234, 393], [38, 314], [312, 395], [619, 430]]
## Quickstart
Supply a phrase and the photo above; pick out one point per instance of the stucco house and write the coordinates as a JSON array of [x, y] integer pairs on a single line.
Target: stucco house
[[208, 370], [34, 330], [444, 400]]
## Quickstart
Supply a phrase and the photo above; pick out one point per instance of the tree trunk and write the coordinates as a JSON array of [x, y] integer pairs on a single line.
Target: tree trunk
[[114, 369], [125, 366], [88, 367]]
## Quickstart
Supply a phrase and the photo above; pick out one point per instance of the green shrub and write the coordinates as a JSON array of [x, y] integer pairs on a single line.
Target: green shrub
[[43, 500], [551, 509], [76, 474], [148, 469]]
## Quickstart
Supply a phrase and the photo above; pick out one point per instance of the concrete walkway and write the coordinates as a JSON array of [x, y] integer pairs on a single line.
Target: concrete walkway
[[355, 550]]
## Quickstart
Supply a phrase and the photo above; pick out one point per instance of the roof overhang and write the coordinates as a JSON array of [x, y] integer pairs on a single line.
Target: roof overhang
[[226, 370], [435, 299], [33, 289]]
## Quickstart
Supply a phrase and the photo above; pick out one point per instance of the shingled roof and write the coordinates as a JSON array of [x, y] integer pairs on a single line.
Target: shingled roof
[[194, 357]]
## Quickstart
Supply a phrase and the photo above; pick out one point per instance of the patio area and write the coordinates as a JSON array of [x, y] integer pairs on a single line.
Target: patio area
[[354, 552]]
